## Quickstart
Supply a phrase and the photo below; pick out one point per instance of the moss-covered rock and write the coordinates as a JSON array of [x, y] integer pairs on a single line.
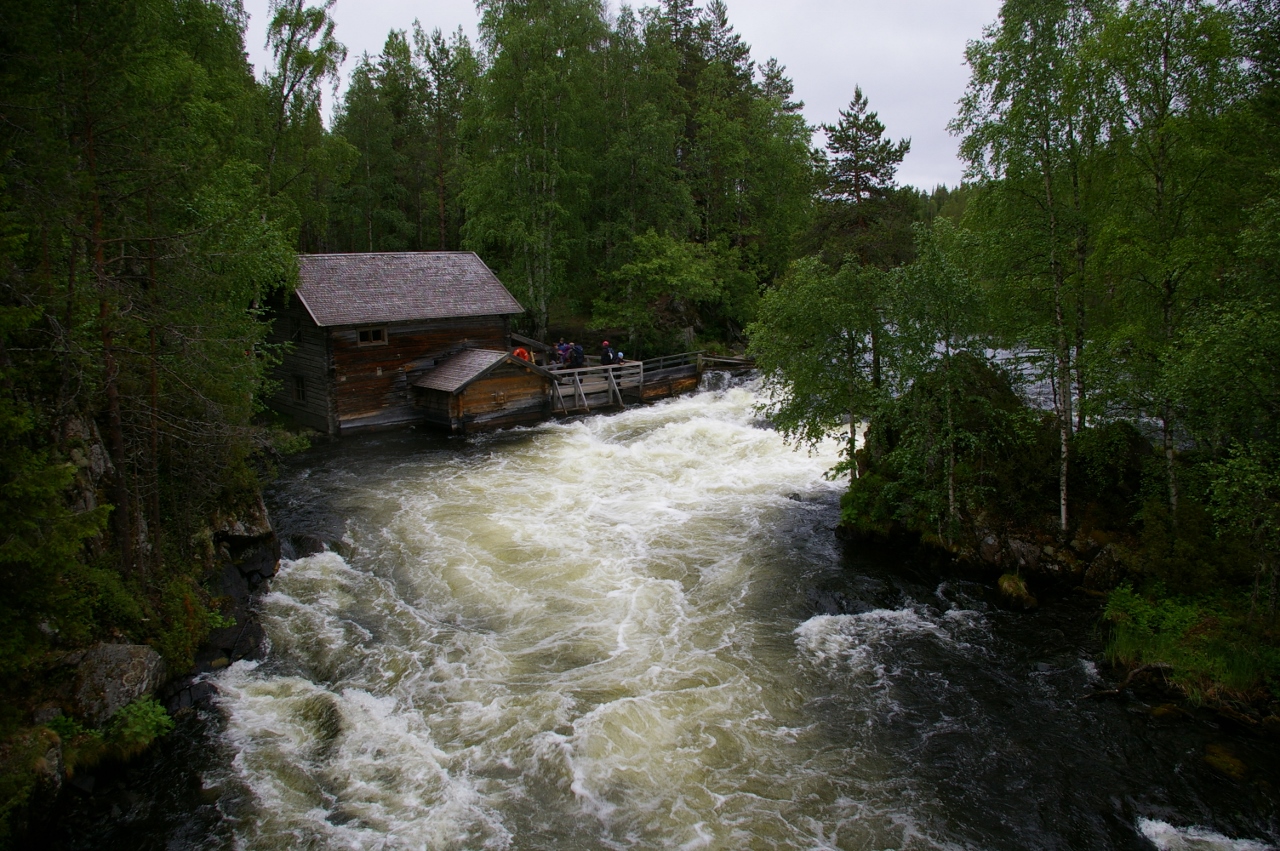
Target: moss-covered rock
[[1014, 592]]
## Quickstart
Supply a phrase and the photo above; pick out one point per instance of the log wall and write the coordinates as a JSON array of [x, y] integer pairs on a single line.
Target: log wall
[[373, 383], [305, 357]]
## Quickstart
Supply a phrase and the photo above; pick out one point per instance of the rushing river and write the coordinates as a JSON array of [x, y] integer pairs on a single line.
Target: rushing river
[[638, 631]]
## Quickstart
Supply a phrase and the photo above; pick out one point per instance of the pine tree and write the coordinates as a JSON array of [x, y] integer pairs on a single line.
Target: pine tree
[[862, 163]]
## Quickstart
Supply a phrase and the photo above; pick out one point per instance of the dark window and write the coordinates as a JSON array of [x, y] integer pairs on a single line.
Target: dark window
[[373, 337], [295, 330], [299, 389]]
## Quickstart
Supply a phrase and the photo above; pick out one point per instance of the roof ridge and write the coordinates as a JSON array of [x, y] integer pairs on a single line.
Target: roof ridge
[[380, 253]]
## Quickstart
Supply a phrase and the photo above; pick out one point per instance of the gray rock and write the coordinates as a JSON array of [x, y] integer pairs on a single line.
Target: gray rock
[[1025, 553], [50, 768], [111, 676], [45, 713], [252, 523], [989, 550], [1085, 546]]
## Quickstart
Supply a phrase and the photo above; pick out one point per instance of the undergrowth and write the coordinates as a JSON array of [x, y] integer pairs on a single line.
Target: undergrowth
[[1214, 648]]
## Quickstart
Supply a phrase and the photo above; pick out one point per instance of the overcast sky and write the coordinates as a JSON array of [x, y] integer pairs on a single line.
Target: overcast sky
[[907, 55]]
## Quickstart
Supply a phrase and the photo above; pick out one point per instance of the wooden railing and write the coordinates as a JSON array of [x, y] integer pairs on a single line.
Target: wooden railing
[[672, 361], [723, 362], [571, 386]]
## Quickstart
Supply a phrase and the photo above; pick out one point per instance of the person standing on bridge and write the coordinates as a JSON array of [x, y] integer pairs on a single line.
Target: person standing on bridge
[[577, 356], [607, 357]]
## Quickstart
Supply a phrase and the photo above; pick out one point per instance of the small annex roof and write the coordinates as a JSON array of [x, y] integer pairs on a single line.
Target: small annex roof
[[456, 372], [364, 289]]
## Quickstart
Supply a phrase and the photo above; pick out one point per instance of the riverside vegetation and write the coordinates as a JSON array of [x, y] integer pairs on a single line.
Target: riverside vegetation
[[1067, 365]]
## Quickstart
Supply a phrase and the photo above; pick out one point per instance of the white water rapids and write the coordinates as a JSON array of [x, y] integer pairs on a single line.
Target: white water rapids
[[586, 635]]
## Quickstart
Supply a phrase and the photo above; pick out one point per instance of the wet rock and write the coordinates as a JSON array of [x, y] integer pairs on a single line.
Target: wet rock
[[248, 550], [835, 603], [251, 523], [192, 693], [1222, 759], [1014, 592], [1063, 567], [1168, 712], [85, 449], [50, 768], [111, 676], [301, 546]]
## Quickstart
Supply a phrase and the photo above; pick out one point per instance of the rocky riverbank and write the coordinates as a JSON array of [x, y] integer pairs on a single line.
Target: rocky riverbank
[[1023, 566], [91, 687]]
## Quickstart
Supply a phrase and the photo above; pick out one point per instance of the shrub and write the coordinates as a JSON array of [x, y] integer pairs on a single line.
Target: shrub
[[136, 726]]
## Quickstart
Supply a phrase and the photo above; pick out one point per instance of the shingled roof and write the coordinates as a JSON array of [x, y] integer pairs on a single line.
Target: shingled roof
[[457, 372], [363, 289]]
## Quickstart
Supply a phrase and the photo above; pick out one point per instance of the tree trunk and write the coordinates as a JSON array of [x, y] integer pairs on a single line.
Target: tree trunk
[[1062, 357], [122, 514], [440, 192], [1166, 434]]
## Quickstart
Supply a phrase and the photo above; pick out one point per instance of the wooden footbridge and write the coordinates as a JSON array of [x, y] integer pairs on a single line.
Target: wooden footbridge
[[592, 388]]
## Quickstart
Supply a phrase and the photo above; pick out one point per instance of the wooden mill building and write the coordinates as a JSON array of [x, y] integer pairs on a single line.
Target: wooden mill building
[[381, 340]]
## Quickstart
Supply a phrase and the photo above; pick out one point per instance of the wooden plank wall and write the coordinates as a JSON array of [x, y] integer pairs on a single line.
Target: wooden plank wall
[[373, 385], [506, 397], [307, 359]]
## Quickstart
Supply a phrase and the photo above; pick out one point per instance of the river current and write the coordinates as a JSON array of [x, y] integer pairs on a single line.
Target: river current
[[639, 631]]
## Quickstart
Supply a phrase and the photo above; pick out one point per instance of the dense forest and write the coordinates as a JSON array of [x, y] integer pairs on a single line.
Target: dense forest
[[1081, 340]]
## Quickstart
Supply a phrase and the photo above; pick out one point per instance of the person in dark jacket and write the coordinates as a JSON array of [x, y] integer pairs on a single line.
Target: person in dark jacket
[[607, 357], [577, 356]]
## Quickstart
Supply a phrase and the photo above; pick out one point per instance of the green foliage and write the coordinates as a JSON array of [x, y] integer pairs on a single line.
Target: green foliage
[[1192, 556], [859, 211], [187, 620], [861, 162], [814, 344], [69, 728], [1111, 461], [145, 216], [666, 285], [1212, 648], [21, 758], [1002, 454], [136, 726]]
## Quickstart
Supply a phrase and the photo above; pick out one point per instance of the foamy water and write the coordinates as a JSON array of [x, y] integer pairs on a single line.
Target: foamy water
[[585, 635]]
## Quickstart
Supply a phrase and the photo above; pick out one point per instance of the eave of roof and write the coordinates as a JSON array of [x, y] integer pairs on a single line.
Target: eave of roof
[[454, 373]]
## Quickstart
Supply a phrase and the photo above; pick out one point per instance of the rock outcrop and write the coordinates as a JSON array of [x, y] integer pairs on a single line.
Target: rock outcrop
[[247, 550], [111, 676]]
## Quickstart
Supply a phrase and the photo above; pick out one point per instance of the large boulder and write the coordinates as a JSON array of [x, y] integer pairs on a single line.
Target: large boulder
[[1026, 555], [111, 676]]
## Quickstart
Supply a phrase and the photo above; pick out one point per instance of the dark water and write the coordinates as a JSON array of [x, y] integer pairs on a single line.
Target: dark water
[[641, 632]]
